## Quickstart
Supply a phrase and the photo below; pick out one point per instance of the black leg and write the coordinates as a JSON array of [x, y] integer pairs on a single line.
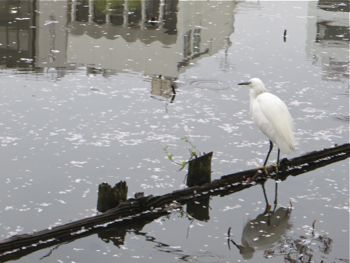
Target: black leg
[[268, 154], [275, 202], [266, 200], [276, 184]]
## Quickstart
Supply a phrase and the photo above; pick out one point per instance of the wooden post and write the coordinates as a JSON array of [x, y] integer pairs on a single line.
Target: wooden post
[[110, 197], [199, 170], [199, 173]]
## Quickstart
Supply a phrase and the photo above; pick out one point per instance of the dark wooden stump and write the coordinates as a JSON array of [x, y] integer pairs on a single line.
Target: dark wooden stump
[[199, 173], [199, 170], [110, 197]]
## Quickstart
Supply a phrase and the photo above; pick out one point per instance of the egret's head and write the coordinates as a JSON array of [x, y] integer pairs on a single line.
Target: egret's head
[[255, 84]]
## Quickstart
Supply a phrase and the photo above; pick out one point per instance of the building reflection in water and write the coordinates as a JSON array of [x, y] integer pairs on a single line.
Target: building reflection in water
[[328, 37], [135, 13], [17, 34], [154, 37], [158, 37], [33, 36]]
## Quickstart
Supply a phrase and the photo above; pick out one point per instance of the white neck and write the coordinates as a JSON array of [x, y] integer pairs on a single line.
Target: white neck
[[256, 92]]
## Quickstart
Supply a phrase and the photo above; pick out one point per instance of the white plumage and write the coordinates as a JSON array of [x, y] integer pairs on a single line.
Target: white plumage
[[272, 117]]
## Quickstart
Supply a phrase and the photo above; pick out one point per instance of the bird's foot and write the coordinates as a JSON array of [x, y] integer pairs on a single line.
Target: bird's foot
[[267, 209], [258, 174], [266, 171]]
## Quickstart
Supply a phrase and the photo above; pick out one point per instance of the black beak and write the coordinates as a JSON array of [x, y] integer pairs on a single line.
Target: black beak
[[244, 83]]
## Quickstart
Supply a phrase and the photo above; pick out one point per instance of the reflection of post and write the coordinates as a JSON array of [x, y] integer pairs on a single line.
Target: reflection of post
[[199, 209], [52, 36], [115, 235], [161, 13], [126, 13], [108, 12], [143, 15], [91, 11], [196, 48], [73, 10]]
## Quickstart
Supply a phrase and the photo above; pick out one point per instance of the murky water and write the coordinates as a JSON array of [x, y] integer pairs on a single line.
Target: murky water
[[87, 96]]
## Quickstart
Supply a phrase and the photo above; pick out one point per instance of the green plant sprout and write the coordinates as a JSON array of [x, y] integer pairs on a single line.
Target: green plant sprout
[[194, 153]]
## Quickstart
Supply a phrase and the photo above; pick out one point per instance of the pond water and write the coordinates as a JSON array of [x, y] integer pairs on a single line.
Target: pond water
[[87, 96]]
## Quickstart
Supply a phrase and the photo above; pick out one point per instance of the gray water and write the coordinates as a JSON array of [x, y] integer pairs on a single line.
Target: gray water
[[86, 99]]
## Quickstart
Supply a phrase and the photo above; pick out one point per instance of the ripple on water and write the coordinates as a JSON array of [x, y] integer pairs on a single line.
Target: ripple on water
[[210, 84], [343, 117]]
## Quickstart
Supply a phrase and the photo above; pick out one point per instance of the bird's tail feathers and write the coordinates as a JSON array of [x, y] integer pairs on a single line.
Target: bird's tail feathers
[[287, 145]]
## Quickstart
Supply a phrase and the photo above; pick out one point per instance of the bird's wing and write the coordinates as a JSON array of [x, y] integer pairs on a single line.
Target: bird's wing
[[280, 120]]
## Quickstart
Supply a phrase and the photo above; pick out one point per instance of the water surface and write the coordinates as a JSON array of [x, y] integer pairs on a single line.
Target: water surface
[[86, 98]]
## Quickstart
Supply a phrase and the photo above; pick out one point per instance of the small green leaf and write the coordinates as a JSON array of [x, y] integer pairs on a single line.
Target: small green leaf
[[183, 165]]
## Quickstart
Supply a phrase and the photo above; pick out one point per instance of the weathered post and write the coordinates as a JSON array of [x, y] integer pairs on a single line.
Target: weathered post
[[199, 173], [199, 170], [110, 197]]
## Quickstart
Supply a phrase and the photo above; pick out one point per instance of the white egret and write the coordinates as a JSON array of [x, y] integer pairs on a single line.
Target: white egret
[[272, 117]]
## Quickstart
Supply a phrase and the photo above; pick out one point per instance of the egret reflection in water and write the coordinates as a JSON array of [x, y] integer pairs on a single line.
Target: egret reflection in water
[[263, 231]]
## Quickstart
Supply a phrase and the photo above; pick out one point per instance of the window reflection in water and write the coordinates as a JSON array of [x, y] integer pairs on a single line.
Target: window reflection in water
[[328, 38], [152, 14], [17, 35]]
